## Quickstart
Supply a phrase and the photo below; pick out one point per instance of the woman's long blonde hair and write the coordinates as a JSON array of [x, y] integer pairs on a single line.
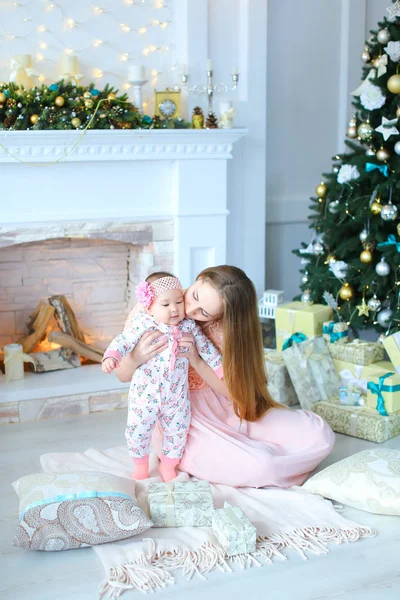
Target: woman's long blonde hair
[[243, 356]]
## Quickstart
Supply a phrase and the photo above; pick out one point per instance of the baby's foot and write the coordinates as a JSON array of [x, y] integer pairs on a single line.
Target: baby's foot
[[141, 468], [168, 468]]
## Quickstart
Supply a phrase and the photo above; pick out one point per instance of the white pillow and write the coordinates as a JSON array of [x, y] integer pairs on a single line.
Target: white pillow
[[61, 511], [368, 480]]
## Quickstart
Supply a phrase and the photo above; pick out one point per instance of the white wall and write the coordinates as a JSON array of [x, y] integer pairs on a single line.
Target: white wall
[[314, 49]]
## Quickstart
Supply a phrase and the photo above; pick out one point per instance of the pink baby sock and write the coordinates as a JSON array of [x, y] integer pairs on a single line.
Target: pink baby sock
[[168, 467], [141, 468]]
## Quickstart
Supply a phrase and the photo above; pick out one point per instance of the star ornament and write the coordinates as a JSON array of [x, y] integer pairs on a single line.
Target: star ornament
[[394, 11], [387, 128], [363, 309]]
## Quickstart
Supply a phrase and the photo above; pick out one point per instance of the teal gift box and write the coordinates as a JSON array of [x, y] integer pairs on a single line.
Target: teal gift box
[[234, 531]]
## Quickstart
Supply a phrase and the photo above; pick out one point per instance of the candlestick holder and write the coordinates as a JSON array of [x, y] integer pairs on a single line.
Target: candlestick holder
[[209, 88], [137, 90]]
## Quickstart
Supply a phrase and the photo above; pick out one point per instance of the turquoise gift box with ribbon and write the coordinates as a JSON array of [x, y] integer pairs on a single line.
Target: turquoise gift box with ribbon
[[234, 531], [295, 322], [335, 333], [384, 394], [181, 504]]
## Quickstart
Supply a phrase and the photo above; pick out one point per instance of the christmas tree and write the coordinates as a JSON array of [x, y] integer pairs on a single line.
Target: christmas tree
[[353, 260]]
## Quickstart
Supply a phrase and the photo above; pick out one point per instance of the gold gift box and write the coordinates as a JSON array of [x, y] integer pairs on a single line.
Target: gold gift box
[[360, 422], [390, 397], [358, 352], [359, 375], [392, 347], [300, 317]]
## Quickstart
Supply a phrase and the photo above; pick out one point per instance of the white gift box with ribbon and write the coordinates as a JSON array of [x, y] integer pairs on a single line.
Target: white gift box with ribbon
[[234, 531], [181, 504]]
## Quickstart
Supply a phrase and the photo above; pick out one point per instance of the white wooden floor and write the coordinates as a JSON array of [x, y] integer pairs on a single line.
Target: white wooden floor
[[365, 570]]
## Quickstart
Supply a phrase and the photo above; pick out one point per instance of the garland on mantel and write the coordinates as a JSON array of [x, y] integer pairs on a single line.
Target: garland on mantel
[[64, 105]]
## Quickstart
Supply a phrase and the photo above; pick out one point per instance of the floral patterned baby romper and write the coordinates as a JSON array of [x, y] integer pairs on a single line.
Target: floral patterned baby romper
[[159, 388]]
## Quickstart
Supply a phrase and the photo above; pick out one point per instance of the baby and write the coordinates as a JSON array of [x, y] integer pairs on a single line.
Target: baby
[[159, 388]]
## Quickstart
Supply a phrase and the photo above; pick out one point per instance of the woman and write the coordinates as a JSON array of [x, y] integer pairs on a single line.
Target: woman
[[239, 435]]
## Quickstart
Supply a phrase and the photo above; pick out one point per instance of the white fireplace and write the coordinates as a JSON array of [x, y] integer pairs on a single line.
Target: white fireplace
[[162, 194]]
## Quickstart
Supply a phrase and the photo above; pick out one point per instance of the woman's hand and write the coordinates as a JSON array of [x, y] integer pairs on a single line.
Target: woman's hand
[[145, 349], [187, 341]]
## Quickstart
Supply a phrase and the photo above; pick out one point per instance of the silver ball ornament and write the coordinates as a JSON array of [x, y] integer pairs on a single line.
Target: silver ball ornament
[[389, 212], [363, 235], [383, 36], [374, 303], [382, 268], [365, 131], [384, 316], [370, 151], [333, 206], [318, 248], [397, 148], [304, 278], [306, 296]]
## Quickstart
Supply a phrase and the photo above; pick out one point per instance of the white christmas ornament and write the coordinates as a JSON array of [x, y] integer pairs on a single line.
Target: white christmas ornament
[[382, 268], [397, 148], [387, 128], [318, 248], [339, 269], [308, 250], [347, 173], [383, 317], [364, 84], [372, 97], [393, 49]]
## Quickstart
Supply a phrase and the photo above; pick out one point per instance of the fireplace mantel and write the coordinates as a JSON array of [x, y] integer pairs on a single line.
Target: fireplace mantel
[[116, 145], [118, 176]]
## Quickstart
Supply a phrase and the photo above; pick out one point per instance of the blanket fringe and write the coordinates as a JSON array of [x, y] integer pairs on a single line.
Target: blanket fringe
[[152, 571]]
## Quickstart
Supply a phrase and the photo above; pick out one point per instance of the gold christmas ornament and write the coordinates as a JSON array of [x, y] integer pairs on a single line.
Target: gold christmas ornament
[[352, 128], [88, 103], [3, 98], [321, 190], [393, 84], [365, 131], [363, 309], [398, 229], [365, 56], [366, 256], [398, 112], [111, 97], [383, 154], [87, 95], [34, 118], [59, 101], [76, 122], [346, 292]]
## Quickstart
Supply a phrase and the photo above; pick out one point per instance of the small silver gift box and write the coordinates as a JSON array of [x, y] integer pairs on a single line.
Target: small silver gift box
[[280, 385], [312, 371], [181, 504], [234, 531]]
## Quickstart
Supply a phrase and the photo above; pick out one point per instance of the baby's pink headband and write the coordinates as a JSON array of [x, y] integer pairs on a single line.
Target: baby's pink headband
[[146, 292]]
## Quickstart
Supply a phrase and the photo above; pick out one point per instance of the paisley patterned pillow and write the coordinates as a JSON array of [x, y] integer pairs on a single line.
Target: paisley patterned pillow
[[61, 511], [368, 480]]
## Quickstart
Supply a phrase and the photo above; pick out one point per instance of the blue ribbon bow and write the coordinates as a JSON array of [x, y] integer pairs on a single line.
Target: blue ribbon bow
[[297, 338], [379, 388], [334, 335], [382, 168], [391, 241]]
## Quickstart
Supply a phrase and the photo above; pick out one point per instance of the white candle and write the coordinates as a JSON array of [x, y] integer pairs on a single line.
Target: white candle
[[14, 362], [235, 70], [70, 65], [18, 75], [209, 64], [224, 106], [136, 73]]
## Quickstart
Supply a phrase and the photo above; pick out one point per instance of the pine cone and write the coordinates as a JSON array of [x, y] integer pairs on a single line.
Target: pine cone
[[9, 122], [212, 121], [11, 103]]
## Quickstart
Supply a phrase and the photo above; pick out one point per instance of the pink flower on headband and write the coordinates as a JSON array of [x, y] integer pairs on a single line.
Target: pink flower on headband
[[145, 294]]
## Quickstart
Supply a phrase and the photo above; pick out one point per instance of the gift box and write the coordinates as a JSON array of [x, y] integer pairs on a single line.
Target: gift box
[[312, 372], [280, 385], [392, 347], [234, 531], [297, 321], [268, 333], [358, 352], [384, 393], [335, 333], [181, 504], [360, 422], [357, 376]]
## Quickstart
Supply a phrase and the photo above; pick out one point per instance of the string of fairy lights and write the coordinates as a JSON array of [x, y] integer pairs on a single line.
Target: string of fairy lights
[[47, 30]]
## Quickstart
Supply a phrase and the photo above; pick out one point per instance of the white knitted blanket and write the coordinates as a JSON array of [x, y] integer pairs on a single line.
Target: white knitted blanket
[[284, 519]]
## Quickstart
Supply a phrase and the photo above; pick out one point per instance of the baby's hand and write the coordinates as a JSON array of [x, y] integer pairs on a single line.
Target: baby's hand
[[108, 365]]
